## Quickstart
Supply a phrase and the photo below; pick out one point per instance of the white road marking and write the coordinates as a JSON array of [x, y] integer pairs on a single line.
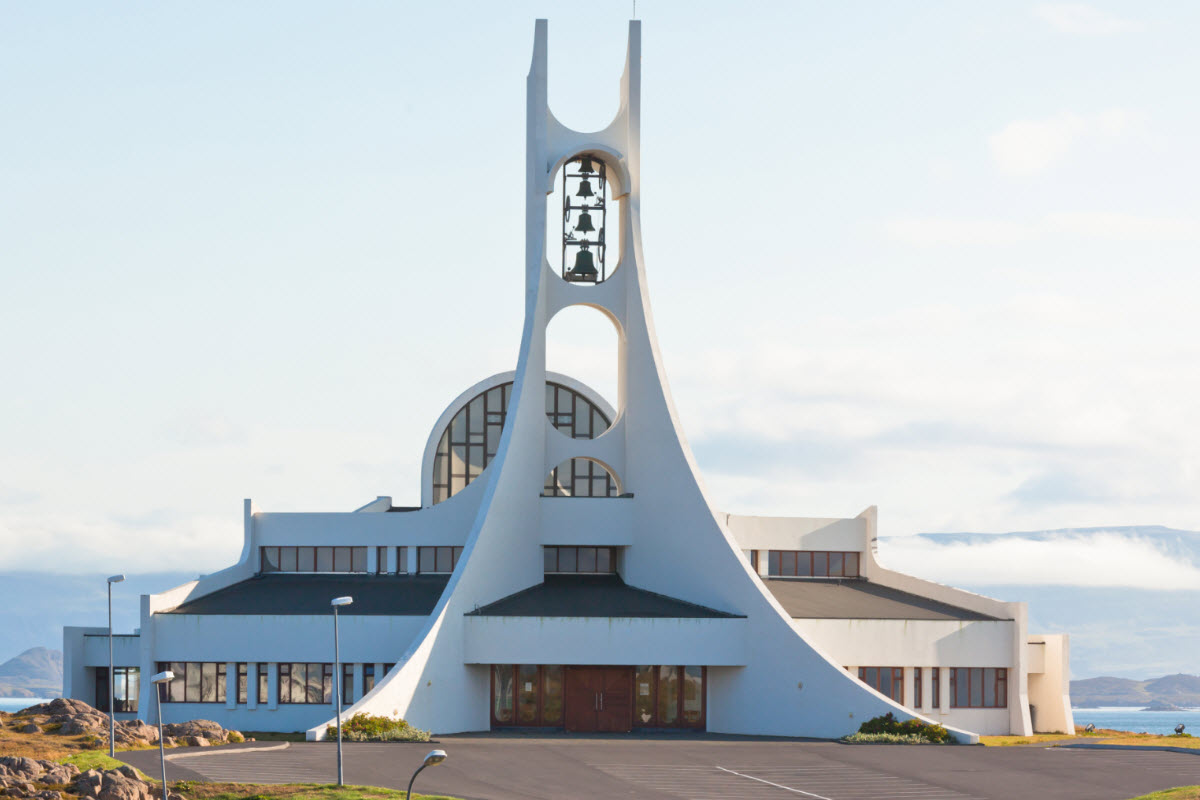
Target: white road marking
[[776, 785]]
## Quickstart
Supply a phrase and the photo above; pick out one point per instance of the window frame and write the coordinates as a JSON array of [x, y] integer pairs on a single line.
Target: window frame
[[813, 563], [999, 698], [185, 671], [561, 562], [897, 680]]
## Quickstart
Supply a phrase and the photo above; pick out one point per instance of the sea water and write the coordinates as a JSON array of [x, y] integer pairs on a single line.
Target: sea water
[[11, 704], [1126, 718]]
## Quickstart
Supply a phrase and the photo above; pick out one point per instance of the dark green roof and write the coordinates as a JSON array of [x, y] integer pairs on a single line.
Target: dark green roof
[[309, 593], [593, 596]]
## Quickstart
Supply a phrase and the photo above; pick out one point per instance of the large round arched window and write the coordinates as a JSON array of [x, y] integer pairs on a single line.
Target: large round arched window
[[469, 442]]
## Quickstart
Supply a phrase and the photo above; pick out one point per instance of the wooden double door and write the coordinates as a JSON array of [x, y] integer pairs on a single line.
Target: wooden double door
[[599, 699]]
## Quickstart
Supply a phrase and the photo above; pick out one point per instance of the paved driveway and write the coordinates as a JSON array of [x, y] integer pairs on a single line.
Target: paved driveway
[[706, 767]]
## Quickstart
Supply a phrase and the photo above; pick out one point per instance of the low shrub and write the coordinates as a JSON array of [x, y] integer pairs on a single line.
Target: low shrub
[[888, 724], [235, 738], [885, 738], [364, 728]]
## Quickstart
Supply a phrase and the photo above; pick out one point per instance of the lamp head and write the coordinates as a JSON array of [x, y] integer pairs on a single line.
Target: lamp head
[[435, 757], [116, 578], [163, 677], [341, 601]]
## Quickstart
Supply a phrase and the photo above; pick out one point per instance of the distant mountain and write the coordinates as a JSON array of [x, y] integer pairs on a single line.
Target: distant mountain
[[38, 672], [1168, 691], [69, 600]]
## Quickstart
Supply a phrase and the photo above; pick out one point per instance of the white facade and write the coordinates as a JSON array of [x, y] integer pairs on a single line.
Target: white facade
[[778, 655]]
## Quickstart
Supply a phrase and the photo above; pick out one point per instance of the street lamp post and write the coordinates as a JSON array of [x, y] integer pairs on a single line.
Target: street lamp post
[[112, 679], [159, 680], [435, 757], [337, 603]]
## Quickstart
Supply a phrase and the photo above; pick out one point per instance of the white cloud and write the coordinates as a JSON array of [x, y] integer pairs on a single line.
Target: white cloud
[[1094, 560], [1029, 146], [1080, 19]]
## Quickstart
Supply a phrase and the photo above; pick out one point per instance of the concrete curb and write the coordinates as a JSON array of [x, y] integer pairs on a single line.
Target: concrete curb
[[223, 750], [1165, 748]]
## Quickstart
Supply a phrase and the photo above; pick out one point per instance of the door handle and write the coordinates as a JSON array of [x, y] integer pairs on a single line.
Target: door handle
[[602, 701], [595, 701]]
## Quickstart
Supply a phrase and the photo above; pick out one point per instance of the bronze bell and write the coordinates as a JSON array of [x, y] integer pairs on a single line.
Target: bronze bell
[[585, 189], [585, 166], [585, 267], [585, 223]]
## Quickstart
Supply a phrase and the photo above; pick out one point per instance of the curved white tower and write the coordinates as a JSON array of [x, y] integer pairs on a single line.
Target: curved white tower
[[762, 677]]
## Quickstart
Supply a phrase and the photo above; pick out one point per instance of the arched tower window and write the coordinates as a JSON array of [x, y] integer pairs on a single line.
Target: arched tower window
[[584, 220], [469, 442]]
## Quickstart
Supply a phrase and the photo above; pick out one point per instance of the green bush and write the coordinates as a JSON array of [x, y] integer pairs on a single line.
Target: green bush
[[235, 738], [910, 728], [885, 738], [363, 728]]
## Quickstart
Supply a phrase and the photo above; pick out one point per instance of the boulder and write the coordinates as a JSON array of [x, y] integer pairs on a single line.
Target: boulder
[[29, 727], [60, 705], [205, 728], [134, 731], [113, 784], [197, 741], [21, 767]]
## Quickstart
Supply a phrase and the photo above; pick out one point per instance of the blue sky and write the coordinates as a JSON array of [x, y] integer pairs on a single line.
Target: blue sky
[[936, 256]]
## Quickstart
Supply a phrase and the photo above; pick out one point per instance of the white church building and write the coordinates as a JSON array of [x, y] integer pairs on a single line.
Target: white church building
[[566, 568]]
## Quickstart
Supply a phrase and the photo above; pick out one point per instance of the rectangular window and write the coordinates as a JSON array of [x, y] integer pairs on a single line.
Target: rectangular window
[[325, 560], [263, 683], [591, 560], [885, 680], [437, 560], [552, 695], [306, 559], [979, 687], [270, 559], [287, 559], [194, 682], [381, 560], [347, 684], [126, 684], [243, 679], [812, 564], [368, 677], [402, 560], [916, 687], [341, 559], [935, 689], [310, 684]]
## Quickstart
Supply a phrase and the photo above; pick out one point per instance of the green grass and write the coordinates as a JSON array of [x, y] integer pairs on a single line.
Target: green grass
[[93, 759], [1178, 793], [242, 791]]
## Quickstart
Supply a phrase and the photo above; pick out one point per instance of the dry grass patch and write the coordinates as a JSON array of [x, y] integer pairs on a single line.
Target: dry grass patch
[[1178, 793], [40, 745], [1037, 738], [297, 791], [1146, 739]]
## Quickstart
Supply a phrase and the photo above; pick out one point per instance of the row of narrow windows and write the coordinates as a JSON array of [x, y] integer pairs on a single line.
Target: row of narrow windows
[[433, 560], [298, 683], [430, 560], [970, 687], [808, 563]]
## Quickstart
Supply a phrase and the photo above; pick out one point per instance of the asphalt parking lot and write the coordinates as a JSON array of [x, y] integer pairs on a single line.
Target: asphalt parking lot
[[697, 767]]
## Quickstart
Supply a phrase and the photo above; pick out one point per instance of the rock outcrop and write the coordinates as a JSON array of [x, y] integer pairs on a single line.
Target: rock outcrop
[[68, 717], [29, 777]]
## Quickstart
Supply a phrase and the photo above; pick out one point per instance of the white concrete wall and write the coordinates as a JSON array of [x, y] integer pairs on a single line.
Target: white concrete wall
[[1050, 690], [587, 521], [126, 648], [911, 643], [603, 640], [367, 639]]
